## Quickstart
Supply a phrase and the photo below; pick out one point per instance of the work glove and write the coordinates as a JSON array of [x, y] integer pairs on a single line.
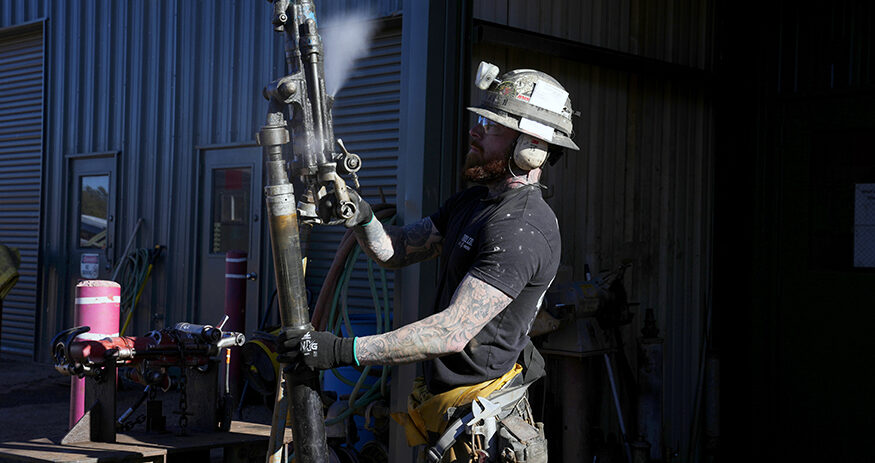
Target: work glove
[[363, 213], [319, 350]]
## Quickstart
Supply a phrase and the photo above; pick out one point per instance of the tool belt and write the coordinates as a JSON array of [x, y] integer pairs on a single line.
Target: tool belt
[[499, 428], [491, 421], [427, 414]]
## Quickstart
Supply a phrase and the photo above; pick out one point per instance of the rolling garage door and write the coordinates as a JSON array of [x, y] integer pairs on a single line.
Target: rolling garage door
[[366, 117], [21, 109]]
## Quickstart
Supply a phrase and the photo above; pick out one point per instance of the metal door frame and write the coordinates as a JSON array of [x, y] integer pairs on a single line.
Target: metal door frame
[[193, 310], [65, 318]]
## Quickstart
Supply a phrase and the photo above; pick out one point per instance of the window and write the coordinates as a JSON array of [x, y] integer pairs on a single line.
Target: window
[[93, 210], [230, 210]]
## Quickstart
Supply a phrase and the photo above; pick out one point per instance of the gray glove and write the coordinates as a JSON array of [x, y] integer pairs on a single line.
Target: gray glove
[[363, 213]]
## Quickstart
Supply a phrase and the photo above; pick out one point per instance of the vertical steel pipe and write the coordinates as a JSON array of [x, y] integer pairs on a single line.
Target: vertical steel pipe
[[302, 386]]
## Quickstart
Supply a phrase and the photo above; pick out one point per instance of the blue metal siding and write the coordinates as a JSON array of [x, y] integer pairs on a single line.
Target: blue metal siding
[[152, 80], [366, 118], [21, 112], [375, 8]]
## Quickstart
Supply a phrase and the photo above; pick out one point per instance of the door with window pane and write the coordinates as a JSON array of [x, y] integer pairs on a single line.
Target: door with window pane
[[91, 230], [92, 190], [230, 208]]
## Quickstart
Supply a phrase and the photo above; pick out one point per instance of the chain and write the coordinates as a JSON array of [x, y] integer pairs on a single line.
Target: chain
[[183, 399], [128, 425], [183, 405]]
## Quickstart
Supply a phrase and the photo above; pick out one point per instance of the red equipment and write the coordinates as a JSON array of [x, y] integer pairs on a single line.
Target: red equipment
[[185, 344]]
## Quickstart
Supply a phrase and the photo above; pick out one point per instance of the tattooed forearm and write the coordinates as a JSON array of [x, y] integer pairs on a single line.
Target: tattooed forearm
[[395, 247], [446, 332]]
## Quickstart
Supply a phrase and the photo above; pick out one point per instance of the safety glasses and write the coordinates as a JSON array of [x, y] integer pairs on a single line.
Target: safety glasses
[[489, 126]]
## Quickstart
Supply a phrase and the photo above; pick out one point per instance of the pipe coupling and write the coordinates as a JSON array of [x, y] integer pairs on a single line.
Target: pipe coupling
[[280, 199], [272, 136]]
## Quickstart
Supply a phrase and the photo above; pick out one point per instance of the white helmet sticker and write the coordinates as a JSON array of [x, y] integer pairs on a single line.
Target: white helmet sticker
[[544, 132], [549, 97]]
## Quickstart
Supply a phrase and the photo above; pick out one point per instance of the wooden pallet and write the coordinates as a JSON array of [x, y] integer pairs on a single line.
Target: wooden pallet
[[245, 442]]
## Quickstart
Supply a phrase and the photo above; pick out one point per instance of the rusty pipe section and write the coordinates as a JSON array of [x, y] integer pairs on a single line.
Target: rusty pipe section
[[283, 222], [300, 388]]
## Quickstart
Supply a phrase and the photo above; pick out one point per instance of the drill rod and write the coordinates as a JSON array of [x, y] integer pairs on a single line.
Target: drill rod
[[302, 385]]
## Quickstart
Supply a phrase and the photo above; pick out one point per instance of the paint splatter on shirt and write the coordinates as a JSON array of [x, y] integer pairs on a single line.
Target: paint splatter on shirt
[[511, 242]]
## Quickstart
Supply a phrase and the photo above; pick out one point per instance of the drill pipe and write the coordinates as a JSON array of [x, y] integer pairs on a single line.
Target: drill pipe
[[302, 385]]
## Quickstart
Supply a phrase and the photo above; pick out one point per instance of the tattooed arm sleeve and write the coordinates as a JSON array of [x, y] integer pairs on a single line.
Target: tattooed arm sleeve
[[395, 247], [446, 332]]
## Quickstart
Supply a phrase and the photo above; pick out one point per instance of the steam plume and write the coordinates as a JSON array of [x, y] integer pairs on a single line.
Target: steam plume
[[346, 37]]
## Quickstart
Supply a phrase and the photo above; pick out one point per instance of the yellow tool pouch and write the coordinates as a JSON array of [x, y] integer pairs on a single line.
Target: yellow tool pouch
[[426, 412]]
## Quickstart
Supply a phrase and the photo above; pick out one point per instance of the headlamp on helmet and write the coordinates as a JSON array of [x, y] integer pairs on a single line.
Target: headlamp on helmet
[[486, 74]]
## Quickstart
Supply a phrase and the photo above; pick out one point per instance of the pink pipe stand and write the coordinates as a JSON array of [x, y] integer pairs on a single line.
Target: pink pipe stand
[[97, 306]]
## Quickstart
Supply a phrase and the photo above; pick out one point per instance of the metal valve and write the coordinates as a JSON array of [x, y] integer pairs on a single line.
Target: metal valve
[[351, 163], [346, 209]]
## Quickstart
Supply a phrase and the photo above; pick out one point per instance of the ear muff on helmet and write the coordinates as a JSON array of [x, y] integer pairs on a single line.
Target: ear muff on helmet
[[529, 152]]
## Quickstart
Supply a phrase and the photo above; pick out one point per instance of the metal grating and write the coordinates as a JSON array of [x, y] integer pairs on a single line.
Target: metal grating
[[21, 112]]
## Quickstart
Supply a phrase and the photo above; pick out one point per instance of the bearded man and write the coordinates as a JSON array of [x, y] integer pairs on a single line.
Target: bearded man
[[499, 248]]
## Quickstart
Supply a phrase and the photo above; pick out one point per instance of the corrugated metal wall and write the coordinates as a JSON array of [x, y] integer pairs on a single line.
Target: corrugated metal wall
[[366, 118], [676, 31], [21, 123], [797, 130], [641, 188], [374, 8], [825, 49], [152, 80]]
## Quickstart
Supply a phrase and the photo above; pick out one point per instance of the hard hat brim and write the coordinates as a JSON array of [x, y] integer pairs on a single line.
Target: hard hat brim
[[558, 138]]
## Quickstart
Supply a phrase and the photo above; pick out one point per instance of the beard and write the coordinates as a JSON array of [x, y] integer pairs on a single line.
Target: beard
[[484, 173]]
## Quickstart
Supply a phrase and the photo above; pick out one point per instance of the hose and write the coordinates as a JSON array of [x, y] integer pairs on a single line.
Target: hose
[[338, 266], [134, 273], [330, 312], [137, 268]]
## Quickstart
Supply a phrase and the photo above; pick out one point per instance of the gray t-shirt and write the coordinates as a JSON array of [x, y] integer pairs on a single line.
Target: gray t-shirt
[[510, 242]]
